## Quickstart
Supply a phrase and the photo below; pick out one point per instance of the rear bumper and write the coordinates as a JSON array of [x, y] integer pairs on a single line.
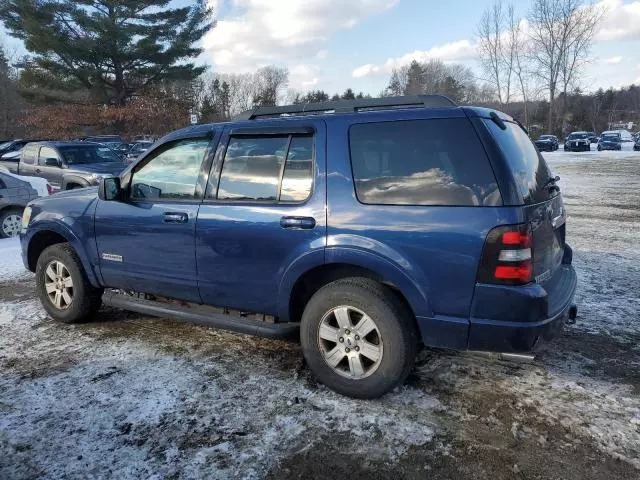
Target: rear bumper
[[521, 319]]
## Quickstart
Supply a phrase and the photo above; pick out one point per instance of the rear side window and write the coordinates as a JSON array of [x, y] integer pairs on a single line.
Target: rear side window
[[269, 169], [421, 162], [528, 167]]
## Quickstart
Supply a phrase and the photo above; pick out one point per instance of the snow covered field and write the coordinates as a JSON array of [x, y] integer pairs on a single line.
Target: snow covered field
[[134, 397]]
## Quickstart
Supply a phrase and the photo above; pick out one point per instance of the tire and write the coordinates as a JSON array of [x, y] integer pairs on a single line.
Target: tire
[[10, 222], [394, 338], [599, 148], [85, 299]]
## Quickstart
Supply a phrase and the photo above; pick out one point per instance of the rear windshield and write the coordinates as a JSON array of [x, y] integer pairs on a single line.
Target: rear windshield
[[421, 162], [529, 169], [577, 136], [611, 136]]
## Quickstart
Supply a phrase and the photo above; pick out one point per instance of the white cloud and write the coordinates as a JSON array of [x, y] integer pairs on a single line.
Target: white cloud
[[305, 75], [262, 32], [613, 60], [621, 20], [448, 52]]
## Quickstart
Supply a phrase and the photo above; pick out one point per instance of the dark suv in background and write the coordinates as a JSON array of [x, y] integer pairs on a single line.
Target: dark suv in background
[[362, 228], [578, 142]]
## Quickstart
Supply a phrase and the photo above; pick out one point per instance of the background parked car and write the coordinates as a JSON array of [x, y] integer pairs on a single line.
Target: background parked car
[[15, 193], [593, 138], [547, 143], [136, 149], [636, 146], [68, 165], [577, 142], [610, 141]]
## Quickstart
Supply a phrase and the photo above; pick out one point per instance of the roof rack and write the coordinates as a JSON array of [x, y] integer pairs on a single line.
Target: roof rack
[[349, 106]]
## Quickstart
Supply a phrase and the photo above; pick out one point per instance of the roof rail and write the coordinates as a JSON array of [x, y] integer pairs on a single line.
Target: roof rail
[[349, 106]]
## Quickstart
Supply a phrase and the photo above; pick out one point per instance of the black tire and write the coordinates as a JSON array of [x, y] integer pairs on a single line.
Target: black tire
[[599, 148], [86, 299], [5, 214], [394, 323]]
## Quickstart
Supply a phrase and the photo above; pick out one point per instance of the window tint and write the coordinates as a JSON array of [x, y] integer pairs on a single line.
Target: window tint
[[298, 171], [528, 167], [2, 184], [421, 162], [252, 169], [171, 174], [47, 152]]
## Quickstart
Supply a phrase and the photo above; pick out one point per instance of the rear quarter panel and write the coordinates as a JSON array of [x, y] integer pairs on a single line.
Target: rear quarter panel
[[433, 251]]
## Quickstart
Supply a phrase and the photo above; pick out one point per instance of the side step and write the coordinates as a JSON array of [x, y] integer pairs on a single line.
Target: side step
[[199, 315]]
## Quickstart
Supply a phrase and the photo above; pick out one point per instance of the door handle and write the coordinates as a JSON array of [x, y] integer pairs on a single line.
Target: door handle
[[38, 170], [295, 223], [175, 217]]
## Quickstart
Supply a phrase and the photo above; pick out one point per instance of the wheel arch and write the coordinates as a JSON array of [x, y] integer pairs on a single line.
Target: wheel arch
[[301, 283], [53, 233]]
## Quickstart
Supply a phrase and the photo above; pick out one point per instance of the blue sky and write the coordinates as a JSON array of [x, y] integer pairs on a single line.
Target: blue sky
[[335, 44]]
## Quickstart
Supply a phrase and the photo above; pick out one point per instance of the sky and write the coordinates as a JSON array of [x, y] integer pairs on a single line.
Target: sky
[[335, 44]]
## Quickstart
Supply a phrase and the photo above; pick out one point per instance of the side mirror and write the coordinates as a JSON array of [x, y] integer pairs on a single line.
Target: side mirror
[[109, 189], [52, 162]]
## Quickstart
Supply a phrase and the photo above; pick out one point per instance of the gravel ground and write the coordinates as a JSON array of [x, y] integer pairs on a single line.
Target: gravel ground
[[133, 397]]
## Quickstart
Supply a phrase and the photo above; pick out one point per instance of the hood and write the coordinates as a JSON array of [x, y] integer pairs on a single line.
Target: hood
[[113, 168], [11, 155], [610, 141]]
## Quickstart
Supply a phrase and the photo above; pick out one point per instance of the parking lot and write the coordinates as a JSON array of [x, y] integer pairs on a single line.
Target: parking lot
[[134, 397]]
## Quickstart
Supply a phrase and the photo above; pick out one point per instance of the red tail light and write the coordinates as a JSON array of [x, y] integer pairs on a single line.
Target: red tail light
[[507, 257], [50, 189]]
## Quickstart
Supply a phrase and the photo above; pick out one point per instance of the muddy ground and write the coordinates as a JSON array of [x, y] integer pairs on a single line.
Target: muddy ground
[[134, 397]]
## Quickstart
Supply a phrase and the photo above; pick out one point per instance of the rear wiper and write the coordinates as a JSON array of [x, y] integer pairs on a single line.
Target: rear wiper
[[551, 183]]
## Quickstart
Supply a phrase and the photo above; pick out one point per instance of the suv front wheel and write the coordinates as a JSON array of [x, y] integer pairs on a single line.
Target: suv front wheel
[[357, 338], [63, 287]]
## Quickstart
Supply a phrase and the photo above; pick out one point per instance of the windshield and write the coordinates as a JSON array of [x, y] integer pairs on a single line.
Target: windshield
[[4, 145], [611, 136], [546, 137], [577, 136], [88, 154], [528, 167]]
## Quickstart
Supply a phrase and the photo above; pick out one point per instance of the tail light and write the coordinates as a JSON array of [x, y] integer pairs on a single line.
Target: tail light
[[50, 189], [507, 257]]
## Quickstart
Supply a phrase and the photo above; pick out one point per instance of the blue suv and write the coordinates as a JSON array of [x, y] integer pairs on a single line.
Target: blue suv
[[364, 229]]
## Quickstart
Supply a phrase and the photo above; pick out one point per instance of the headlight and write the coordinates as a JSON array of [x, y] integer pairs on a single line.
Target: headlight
[[26, 218], [94, 177]]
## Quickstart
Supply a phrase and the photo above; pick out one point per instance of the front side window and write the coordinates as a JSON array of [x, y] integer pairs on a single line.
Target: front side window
[[171, 174], [267, 168], [29, 154], [421, 162], [45, 153]]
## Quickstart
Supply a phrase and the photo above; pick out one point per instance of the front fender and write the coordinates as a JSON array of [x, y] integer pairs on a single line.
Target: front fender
[[63, 226]]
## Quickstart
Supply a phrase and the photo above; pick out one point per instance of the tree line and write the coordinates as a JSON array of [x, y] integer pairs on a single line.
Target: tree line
[[114, 66]]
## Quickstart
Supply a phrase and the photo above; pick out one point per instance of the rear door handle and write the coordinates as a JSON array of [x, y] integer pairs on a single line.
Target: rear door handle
[[305, 223], [37, 170], [175, 217]]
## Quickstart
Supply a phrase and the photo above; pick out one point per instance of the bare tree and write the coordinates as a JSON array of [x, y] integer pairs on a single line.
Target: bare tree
[[519, 51], [496, 52], [561, 34], [270, 83]]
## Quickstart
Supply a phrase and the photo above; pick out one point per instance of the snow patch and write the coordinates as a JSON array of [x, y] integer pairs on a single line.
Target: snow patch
[[11, 267]]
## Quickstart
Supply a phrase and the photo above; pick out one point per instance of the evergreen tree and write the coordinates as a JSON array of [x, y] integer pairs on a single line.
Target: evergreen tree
[[112, 48]]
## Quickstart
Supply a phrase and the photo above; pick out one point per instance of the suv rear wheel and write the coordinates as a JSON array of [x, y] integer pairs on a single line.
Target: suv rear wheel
[[357, 338], [63, 287]]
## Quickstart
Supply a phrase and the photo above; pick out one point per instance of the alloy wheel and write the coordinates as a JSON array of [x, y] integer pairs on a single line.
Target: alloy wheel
[[11, 225], [350, 342], [58, 284]]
